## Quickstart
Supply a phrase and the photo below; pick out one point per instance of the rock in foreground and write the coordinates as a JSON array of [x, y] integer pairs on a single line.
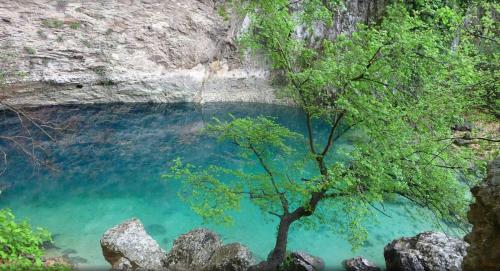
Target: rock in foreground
[[231, 257], [359, 264], [193, 250], [428, 251], [301, 261], [128, 247], [484, 239]]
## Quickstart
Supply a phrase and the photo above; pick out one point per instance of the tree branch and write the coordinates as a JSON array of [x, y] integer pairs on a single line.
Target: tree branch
[[310, 133], [332, 132], [346, 130], [471, 138], [284, 201], [370, 63]]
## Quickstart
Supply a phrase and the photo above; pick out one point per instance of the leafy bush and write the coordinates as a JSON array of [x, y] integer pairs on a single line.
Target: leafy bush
[[20, 245], [75, 25], [52, 23], [30, 50]]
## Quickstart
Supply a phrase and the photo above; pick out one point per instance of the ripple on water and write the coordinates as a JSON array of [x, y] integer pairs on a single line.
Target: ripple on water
[[109, 170]]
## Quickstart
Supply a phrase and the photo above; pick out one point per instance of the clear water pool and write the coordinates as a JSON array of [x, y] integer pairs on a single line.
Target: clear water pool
[[108, 166]]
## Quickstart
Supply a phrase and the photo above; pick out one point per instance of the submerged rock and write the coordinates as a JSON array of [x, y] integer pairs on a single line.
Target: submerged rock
[[301, 261], [75, 260], [69, 251], [231, 257], [428, 251], [128, 247], [359, 264], [192, 251], [57, 262], [484, 239], [49, 245]]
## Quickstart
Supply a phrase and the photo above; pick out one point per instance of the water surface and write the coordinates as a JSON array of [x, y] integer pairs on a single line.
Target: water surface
[[107, 169]]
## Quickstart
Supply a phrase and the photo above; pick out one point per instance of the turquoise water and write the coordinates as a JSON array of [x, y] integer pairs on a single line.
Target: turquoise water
[[107, 168]]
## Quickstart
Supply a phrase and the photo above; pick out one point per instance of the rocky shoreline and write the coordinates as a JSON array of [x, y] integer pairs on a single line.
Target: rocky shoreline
[[128, 246]]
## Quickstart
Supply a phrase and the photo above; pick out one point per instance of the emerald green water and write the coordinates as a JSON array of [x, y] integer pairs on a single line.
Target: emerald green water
[[107, 169]]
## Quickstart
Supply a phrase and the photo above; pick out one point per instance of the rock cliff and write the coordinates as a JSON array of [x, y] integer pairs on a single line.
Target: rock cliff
[[75, 51], [484, 239]]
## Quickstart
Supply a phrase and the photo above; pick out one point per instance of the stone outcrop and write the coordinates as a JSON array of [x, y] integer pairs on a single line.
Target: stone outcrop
[[301, 261], [201, 249], [484, 250], [193, 249], [230, 257], [126, 51], [128, 247], [428, 251], [346, 19], [359, 264], [76, 51]]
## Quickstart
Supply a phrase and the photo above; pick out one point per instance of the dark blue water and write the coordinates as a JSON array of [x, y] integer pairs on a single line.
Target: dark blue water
[[105, 167]]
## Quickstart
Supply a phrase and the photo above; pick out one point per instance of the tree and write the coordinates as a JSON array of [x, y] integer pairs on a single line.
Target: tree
[[480, 24], [398, 84]]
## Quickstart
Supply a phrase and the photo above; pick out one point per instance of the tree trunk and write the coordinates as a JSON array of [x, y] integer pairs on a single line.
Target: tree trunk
[[277, 256]]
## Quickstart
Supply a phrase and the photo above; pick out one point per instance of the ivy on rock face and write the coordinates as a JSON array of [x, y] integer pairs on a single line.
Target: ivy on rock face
[[399, 85]]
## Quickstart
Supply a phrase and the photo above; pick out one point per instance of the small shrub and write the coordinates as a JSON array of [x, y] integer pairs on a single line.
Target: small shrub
[[30, 50], [41, 33], [109, 31], [75, 25], [52, 23], [87, 43], [59, 39], [223, 12], [101, 71], [107, 82], [20, 245], [20, 74]]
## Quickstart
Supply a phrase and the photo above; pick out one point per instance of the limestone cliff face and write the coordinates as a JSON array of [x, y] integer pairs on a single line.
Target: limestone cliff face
[[484, 250], [76, 51]]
